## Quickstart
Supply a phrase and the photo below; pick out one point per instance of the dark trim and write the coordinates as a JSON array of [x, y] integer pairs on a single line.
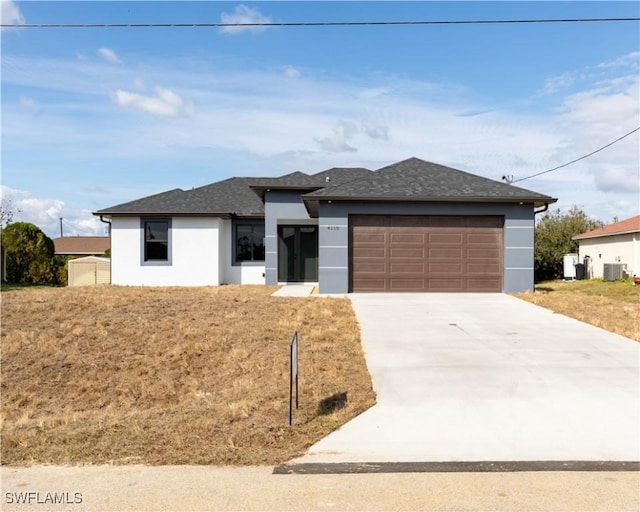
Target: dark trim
[[544, 209], [455, 467], [240, 221], [156, 263]]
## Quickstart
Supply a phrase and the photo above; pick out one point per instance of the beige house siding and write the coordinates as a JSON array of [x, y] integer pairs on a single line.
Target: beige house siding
[[89, 271], [624, 248]]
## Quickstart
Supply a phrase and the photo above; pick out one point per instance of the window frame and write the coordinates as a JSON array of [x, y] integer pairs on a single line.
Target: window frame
[[143, 242], [234, 248]]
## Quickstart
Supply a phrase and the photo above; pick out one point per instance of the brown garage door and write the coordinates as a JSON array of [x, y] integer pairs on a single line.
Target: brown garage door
[[426, 253]]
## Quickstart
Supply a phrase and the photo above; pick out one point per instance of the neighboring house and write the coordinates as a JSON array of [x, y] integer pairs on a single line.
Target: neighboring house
[[616, 243], [410, 226], [81, 245]]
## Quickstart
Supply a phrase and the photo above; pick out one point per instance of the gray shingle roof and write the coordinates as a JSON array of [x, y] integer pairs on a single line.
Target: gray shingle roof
[[231, 196], [301, 181], [409, 180], [417, 180]]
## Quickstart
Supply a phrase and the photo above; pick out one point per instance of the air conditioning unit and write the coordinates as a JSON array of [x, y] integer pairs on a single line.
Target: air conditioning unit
[[614, 271]]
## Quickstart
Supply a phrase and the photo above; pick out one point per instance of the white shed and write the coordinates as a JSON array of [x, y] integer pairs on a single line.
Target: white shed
[[89, 271], [617, 243]]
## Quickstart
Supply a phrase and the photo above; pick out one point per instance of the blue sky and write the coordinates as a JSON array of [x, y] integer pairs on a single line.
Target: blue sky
[[94, 117]]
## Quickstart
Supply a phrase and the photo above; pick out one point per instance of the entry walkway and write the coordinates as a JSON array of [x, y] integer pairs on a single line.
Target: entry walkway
[[295, 290], [488, 377]]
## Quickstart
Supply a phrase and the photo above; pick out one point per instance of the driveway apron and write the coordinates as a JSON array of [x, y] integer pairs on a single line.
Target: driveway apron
[[488, 377]]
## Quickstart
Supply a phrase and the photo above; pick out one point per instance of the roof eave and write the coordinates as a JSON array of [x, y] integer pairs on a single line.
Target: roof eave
[[601, 235], [261, 189], [155, 213], [536, 201]]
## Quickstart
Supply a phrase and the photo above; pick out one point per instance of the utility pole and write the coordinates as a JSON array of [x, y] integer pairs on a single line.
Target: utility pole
[[61, 235]]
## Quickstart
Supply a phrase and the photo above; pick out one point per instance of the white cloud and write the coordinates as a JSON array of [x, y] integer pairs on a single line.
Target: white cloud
[[342, 132], [109, 55], [597, 116], [251, 120], [618, 179], [25, 101], [246, 16], [45, 213], [375, 131], [373, 92], [559, 83], [10, 13], [630, 60], [291, 72], [42, 212], [165, 103]]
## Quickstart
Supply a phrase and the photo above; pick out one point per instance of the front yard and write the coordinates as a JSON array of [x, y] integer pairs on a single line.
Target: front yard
[[172, 375], [614, 306]]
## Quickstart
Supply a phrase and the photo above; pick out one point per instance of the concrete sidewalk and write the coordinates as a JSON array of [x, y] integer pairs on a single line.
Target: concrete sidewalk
[[488, 377], [197, 488]]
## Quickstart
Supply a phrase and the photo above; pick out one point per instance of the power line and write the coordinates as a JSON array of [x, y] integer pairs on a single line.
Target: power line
[[313, 23], [578, 159]]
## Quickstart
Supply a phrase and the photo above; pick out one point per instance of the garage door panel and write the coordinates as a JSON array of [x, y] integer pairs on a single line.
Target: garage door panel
[[483, 285], [446, 285], [403, 267], [426, 253], [407, 239], [369, 237], [444, 252], [400, 285], [366, 252], [484, 253], [445, 267], [369, 285], [482, 239], [371, 267], [493, 269], [407, 252], [445, 238]]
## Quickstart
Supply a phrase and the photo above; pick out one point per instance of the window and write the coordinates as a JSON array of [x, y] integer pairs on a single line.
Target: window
[[249, 238], [156, 240]]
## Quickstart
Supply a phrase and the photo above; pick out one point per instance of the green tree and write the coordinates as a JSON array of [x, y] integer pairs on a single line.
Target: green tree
[[554, 233], [29, 255]]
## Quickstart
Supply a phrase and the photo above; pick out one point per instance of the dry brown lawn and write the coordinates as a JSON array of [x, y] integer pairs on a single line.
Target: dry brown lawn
[[172, 375], [614, 306]]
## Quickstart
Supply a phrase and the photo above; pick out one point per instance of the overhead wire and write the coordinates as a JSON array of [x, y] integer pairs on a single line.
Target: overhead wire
[[578, 159], [315, 23]]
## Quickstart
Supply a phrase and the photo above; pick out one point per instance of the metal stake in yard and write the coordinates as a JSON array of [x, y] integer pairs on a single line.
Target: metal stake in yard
[[293, 375]]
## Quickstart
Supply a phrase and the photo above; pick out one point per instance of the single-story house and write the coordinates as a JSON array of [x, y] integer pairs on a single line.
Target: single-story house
[[410, 226], [616, 243], [81, 245]]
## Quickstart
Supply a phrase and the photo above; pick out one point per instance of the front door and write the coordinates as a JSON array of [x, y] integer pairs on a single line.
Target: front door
[[297, 254]]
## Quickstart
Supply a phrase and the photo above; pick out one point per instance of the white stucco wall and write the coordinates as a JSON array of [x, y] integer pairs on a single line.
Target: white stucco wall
[[201, 255], [612, 249], [194, 254], [239, 273]]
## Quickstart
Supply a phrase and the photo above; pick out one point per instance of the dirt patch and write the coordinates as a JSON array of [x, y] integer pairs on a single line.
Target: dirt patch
[[614, 306], [172, 375]]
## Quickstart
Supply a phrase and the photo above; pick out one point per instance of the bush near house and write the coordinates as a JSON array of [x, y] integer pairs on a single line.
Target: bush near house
[[29, 256]]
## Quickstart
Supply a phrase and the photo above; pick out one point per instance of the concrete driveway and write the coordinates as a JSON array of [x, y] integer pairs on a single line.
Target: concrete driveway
[[488, 377]]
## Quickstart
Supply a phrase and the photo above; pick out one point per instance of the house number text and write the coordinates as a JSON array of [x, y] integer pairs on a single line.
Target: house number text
[[333, 228]]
